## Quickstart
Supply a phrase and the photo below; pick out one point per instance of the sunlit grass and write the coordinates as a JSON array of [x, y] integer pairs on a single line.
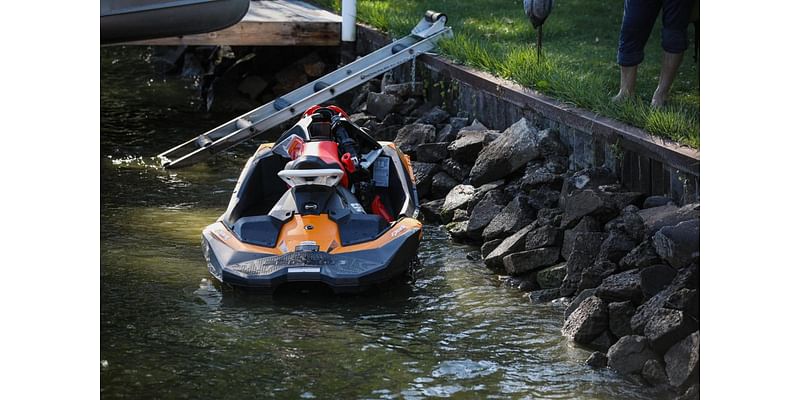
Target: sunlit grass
[[579, 64]]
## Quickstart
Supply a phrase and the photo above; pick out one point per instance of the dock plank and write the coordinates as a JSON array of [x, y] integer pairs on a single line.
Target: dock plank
[[269, 23]]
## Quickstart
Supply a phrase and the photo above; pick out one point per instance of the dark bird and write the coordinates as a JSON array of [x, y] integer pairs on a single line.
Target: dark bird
[[538, 11]]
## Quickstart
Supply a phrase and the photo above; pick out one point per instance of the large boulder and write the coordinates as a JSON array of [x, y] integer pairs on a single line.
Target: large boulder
[[410, 136], [544, 173], [457, 229], [687, 278], [587, 322], [597, 359], [657, 201], [619, 317], [667, 327], [467, 146], [543, 296], [549, 217], [577, 300], [457, 170], [617, 245], [457, 198], [686, 300], [510, 151], [603, 203], [511, 244], [628, 222], [653, 372], [543, 236], [586, 224], [629, 354], [551, 277], [441, 185], [643, 255], [431, 211], [543, 197], [404, 90], [516, 214], [488, 247], [655, 278], [679, 245], [491, 204], [583, 255], [658, 217], [457, 123], [621, 287], [683, 361], [549, 144], [530, 260], [423, 174], [447, 134], [381, 105], [594, 275], [589, 178], [432, 152], [434, 116]]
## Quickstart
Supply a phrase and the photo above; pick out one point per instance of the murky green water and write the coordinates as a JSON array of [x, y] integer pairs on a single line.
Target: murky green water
[[167, 333]]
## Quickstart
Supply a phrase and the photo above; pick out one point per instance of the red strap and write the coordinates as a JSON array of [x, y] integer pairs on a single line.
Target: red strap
[[378, 208]]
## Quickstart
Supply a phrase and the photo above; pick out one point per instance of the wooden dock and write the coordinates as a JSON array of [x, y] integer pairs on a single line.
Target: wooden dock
[[269, 23]]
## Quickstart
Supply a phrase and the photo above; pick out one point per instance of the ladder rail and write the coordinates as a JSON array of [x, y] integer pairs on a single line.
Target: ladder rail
[[253, 123]]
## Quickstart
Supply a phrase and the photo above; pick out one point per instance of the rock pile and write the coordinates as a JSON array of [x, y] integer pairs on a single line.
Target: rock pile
[[631, 264]]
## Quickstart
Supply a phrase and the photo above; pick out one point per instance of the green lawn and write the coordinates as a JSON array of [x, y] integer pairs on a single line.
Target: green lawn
[[579, 64]]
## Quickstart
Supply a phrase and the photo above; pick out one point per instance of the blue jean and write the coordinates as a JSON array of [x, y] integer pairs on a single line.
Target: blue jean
[[637, 23]]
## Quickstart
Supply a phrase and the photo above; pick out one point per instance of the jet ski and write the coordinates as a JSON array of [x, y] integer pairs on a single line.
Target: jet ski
[[325, 203]]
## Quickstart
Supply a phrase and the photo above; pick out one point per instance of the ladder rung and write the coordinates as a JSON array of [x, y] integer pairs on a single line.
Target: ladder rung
[[203, 141], [320, 85], [243, 123], [280, 103], [398, 48]]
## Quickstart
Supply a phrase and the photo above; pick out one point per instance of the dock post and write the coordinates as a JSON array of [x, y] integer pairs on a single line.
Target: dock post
[[348, 47]]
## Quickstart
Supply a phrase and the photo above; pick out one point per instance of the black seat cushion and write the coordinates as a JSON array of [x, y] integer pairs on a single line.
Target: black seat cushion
[[357, 228]]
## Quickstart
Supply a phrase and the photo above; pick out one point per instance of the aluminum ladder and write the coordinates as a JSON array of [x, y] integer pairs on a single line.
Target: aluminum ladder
[[423, 38]]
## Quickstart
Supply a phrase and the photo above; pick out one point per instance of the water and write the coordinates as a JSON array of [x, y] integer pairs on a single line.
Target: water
[[168, 332]]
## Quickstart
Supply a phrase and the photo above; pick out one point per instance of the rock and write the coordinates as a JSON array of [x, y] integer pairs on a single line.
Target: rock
[[544, 236], [653, 372], [619, 317], [692, 393], [587, 224], [551, 277], [288, 79], [667, 327], [679, 245], [487, 247], [587, 202], [629, 354], [616, 246], [441, 185], [458, 122], [597, 360], [528, 283], [516, 214], [482, 191], [513, 149], [410, 136], [587, 322], [543, 198], [655, 278], [548, 217], [621, 287], [548, 173], [658, 217], [583, 255], [403, 90], [313, 65], [530, 260], [460, 215], [474, 126], [577, 301], [686, 278], [686, 300], [511, 244], [435, 116], [593, 276], [491, 204], [629, 222], [683, 361], [543, 296], [466, 147], [361, 119], [549, 144], [457, 229], [458, 197], [589, 178], [432, 152], [602, 342], [657, 201], [447, 134], [643, 255], [457, 170], [387, 133], [381, 105], [423, 173], [431, 210], [408, 106], [393, 119], [252, 86]]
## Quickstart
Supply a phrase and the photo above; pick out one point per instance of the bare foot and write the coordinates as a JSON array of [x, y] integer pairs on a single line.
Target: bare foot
[[659, 100], [621, 97]]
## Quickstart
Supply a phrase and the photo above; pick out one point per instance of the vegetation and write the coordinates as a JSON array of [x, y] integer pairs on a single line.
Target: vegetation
[[579, 57]]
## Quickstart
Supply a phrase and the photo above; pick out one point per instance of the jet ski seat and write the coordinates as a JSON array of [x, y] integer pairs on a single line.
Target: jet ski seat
[[310, 162]]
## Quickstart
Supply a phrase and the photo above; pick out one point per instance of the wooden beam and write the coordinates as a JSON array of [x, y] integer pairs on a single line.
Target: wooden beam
[[260, 34]]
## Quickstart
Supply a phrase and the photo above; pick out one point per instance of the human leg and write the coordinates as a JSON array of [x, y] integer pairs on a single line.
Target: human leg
[[638, 19], [674, 42]]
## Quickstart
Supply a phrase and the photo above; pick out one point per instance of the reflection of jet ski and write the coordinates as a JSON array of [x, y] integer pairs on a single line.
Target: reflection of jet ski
[[324, 203], [128, 20]]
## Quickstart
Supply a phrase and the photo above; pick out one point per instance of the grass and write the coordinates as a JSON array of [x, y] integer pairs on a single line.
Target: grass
[[579, 57]]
